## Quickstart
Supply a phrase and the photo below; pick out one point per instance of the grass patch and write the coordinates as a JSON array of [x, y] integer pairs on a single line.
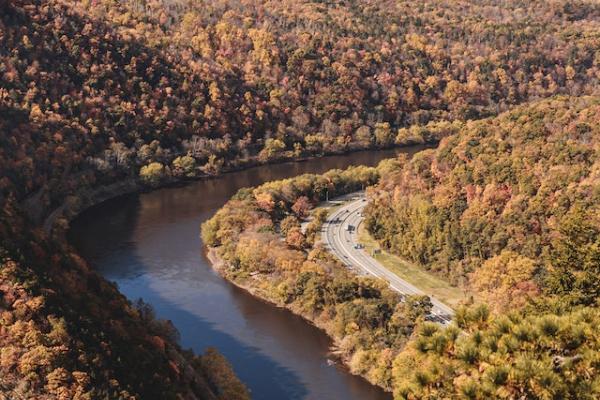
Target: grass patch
[[424, 280]]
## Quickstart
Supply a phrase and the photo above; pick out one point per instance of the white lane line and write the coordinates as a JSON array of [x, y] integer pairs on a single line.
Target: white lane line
[[337, 239]]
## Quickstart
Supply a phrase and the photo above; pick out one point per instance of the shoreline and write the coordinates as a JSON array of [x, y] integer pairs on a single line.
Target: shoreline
[[75, 204], [57, 223], [219, 266]]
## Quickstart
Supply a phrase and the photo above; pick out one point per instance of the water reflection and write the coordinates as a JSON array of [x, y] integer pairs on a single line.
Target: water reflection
[[149, 245]]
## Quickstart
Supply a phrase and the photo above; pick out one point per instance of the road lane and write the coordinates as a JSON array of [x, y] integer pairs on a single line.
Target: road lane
[[342, 243]]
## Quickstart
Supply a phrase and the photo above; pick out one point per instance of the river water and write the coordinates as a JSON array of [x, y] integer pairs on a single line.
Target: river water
[[149, 245]]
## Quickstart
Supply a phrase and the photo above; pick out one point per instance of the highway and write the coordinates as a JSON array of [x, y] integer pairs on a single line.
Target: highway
[[343, 244]]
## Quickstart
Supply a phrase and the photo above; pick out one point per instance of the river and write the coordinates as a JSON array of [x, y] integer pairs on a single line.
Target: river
[[149, 245]]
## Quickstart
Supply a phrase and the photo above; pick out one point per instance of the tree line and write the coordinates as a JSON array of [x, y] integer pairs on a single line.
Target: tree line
[[98, 92], [543, 346]]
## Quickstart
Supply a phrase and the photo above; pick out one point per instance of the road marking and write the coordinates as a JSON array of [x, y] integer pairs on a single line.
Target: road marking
[[333, 237]]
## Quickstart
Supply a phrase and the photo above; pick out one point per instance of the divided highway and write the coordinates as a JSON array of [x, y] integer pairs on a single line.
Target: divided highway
[[343, 243]]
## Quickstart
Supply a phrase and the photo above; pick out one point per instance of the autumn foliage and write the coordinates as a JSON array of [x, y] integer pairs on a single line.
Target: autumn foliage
[[503, 205], [534, 340], [509, 208], [265, 250], [97, 94], [97, 91]]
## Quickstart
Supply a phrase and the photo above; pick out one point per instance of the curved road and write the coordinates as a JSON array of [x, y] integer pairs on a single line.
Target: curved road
[[343, 244]]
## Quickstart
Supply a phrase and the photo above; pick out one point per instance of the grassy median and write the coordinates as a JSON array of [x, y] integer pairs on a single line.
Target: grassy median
[[426, 281]]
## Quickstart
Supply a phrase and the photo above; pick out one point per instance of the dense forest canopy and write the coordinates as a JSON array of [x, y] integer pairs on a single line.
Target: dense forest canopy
[[137, 93], [92, 92], [537, 338], [509, 206]]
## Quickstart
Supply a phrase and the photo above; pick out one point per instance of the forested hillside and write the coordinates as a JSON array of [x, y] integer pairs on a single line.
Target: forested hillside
[[65, 332], [543, 349], [92, 92], [509, 206], [139, 93]]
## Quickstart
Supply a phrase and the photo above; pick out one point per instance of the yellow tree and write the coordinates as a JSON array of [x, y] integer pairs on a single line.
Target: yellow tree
[[506, 281]]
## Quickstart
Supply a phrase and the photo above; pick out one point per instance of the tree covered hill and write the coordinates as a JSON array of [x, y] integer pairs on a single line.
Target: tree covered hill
[[65, 332], [509, 206], [100, 92], [91, 92]]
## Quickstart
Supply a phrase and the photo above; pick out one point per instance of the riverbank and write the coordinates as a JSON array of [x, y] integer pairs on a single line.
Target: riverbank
[[76, 204], [148, 245], [253, 287], [257, 243]]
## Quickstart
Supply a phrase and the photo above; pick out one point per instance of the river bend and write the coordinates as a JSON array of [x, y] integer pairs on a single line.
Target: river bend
[[149, 245]]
